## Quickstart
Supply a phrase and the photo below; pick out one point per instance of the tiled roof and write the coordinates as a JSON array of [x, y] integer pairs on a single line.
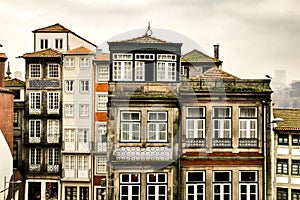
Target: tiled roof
[[2, 55], [80, 49], [14, 82], [197, 56], [103, 57], [144, 39], [291, 119], [216, 73], [41, 54], [56, 28]]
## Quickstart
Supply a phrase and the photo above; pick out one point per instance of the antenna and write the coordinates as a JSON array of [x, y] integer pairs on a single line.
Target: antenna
[[149, 31]]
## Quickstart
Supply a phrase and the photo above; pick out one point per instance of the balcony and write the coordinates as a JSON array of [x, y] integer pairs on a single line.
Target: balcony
[[143, 154], [77, 146], [248, 142], [34, 139], [71, 174], [42, 168], [195, 142], [53, 139], [221, 142]]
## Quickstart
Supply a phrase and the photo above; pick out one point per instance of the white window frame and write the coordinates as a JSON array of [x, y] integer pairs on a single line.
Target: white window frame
[[53, 70], [84, 86], [157, 186], [70, 161], [69, 62], [248, 120], [58, 43], [53, 101], [69, 110], [84, 110], [221, 132], [69, 86], [122, 70], [83, 136], [83, 162], [157, 124], [35, 70], [122, 56], [35, 128], [248, 185], [35, 156], [131, 123], [44, 43], [100, 164], [169, 57], [53, 156], [194, 184], [193, 132], [166, 71], [35, 99], [101, 137], [84, 62], [222, 186], [102, 73], [139, 71], [144, 56], [130, 185], [69, 139], [102, 99], [52, 128]]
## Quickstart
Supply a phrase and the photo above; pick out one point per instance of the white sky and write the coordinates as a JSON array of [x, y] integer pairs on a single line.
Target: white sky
[[256, 37]]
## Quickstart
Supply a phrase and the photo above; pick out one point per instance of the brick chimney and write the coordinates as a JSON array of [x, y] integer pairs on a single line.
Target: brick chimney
[[3, 58], [216, 51]]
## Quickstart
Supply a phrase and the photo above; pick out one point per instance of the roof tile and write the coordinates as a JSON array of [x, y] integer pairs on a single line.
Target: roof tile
[[291, 119], [144, 39], [216, 73], [104, 57], [44, 53], [197, 56], [80, 49], [56, 28]]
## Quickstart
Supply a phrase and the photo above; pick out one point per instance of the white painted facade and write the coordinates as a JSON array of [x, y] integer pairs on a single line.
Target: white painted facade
[[6, 166]]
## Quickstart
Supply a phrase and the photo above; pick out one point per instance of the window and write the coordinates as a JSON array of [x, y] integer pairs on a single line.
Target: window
[[53, 70], [53, 102], [222, 185], [35, 156], [83, 163], [69, 110], [139, 71], [84, 86], [295, 194], [34, 102], [35, 70], [102, 73], [102, 101], [84, 62], [83, 136], [195, 127], [17, 94], [53, 155], [122, 70], [282, 166], [70, 193], [69, 162], [171, 57], [122, 56], [157, 186], [130, 186], [166, 71], [296, 140], [69, 85], [69, 139], [222, 127], [101, 140], [100, 193], [130, 126], [282, 193], [248, 127], [143, 56], [35, 128], [15, 151], [195, 185], [295, 167], [283, 139], [69, 62], [157, 127], [100, 164], [52, 128], [44, 43], [58, 43], [248, 188], [84, 193], [83, 110]]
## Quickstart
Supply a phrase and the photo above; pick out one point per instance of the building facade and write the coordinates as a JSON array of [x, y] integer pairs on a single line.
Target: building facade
[[286, 161]]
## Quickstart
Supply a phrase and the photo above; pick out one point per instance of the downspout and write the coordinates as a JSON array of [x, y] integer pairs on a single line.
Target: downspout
[[264, 148], [179, 150]]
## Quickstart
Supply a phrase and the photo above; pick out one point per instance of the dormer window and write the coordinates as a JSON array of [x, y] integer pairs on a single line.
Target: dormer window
[[44, 43]]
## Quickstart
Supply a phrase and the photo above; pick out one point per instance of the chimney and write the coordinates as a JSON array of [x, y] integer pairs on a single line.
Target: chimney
[[3, 58], [216, 51]]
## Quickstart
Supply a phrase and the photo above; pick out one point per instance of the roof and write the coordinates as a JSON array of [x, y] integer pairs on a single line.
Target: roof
[[103, 57], [80, 49], [197, 56], [291, 119], [216, 73], [14, 83], [2, 55], [144, 39], [56, 28], [49, 53]]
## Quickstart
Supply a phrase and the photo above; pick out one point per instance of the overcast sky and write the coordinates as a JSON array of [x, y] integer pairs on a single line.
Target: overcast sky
[[256, 37]]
